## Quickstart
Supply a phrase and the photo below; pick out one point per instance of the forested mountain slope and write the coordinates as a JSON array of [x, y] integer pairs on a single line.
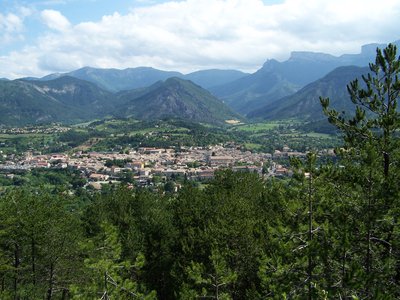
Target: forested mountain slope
[[305, 103]]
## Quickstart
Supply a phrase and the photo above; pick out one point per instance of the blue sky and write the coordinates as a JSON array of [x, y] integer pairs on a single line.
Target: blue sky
[[39, 37]]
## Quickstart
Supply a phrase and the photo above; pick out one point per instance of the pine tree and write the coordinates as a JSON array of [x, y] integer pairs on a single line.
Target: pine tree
[[38, 242], [108, 276], [371, 161], [212, 282]]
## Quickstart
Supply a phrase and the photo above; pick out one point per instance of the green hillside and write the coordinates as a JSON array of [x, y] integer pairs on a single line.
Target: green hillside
[[68, 99], [24, 103], [305, 103], [175, 98]]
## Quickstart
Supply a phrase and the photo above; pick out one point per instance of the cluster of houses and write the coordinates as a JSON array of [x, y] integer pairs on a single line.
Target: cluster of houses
[[146, 164], [34, 129]]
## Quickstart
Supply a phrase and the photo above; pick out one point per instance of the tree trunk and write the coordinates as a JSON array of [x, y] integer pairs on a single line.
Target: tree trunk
[[51, 282], [368, 259], [16, 270], [386, 164], [310, 236], [33, 258], [65, 294]]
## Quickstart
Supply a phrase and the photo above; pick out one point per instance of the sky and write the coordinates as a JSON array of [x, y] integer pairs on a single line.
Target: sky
[[39, 37]]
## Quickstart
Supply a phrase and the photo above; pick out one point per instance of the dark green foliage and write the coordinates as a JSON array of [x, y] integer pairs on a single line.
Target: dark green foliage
[[57, 179], [74, 138], [38, 238], [223, 219], [116, 162], [370, 162]]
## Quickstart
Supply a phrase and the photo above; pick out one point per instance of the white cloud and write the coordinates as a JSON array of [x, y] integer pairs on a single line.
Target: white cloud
[[20, 64], [55, 20], [191, 35], [11, 27]]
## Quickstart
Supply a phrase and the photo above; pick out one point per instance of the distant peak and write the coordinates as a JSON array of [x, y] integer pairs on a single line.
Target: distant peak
[[270, 62], [271, 65], [174, 80], [85, 69], [370, 49], [308, 55]]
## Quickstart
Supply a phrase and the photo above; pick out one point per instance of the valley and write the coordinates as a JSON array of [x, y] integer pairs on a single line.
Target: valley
[[153, 153], [132, 184], [97, 120]]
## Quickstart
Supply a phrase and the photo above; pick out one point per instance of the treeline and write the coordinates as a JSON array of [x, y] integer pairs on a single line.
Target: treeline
[[331, 231], [324, 233]]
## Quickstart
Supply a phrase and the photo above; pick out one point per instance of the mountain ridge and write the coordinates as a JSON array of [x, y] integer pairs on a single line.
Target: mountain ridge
[[69, 99], [116, 80], [302, 68], [258, 94], [176, 97], [305, 104]]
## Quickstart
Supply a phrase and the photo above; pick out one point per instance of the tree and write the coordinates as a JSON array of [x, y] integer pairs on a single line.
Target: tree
[[371, 162], [38, 242], [210, 283], [297, 264], [376, 119], [108, 276], [224, 218]]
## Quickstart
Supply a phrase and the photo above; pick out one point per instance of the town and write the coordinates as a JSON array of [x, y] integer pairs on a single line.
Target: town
[[145, 164]]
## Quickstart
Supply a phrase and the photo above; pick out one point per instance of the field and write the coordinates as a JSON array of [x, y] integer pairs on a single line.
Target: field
[[256, 127], [17, 143], [271, 135]]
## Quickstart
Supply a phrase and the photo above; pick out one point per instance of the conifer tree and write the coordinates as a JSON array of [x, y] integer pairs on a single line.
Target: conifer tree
[[376, 118], [371, 161]]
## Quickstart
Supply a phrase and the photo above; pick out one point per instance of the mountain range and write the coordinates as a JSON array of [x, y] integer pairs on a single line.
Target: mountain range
[[306, 103], [277, 90], [279, 79], [65, 99], [69, 99], [115, 80]]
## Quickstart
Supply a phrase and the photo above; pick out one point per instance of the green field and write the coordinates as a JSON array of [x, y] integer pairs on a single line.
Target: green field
[[257, 127], [264, 126], [319, 135], [7, 136], [315, 135]]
